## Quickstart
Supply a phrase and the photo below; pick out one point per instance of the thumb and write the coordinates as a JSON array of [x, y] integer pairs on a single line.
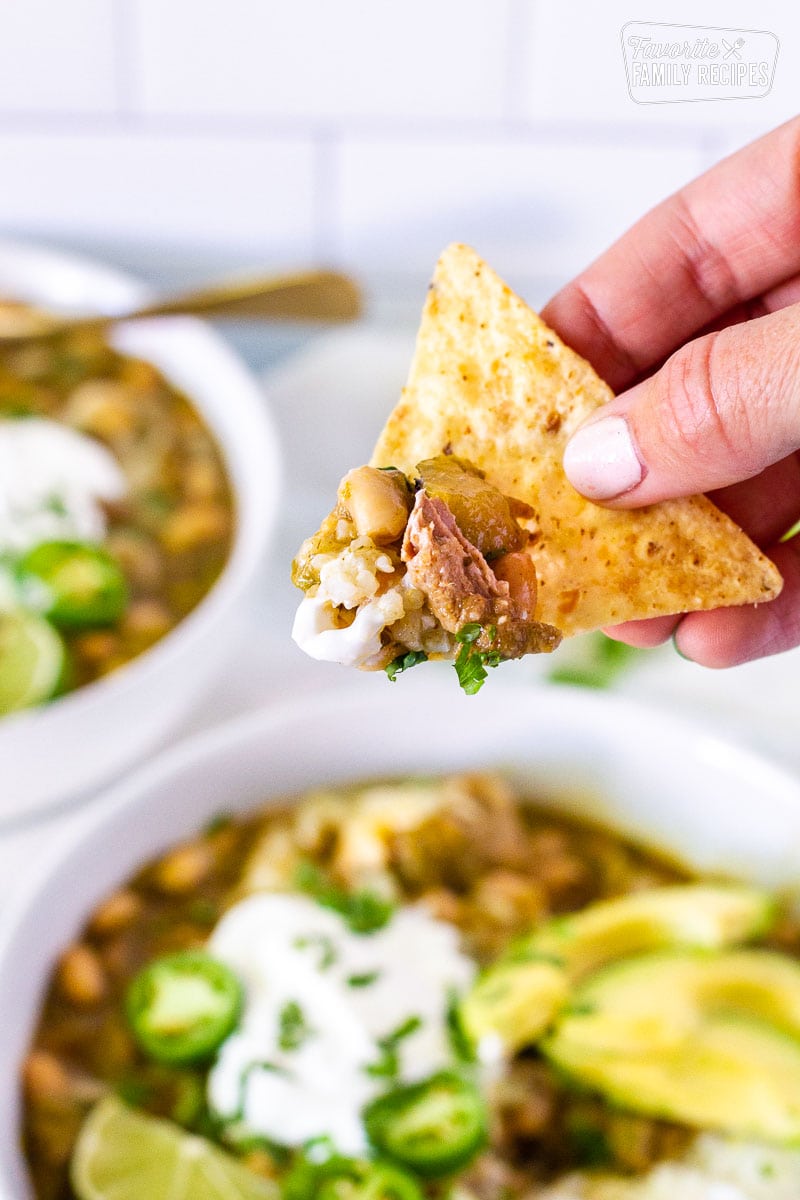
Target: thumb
[[719, 411]]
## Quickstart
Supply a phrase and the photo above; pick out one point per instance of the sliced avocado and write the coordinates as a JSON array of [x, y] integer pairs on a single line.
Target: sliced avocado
[[692, 915], [653, 1002], [710, 1039], [738, 1077], [515, 1002], [519, 997]]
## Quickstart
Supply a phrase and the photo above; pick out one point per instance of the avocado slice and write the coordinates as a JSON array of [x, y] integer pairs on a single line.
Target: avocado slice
[[653, 1002], [514, 1003], [739, 1077], [519, 997], [692, 914], [709, 1039]]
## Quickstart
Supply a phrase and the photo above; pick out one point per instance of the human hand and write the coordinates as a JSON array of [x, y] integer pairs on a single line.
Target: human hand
[[694, 317]]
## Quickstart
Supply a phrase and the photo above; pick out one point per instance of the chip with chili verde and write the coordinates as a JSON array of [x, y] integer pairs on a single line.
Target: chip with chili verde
[[463, 537]]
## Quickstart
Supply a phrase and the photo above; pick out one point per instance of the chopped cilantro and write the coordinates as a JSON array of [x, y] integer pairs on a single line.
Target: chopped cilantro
[[227, 1128], [55, 504], [404, 1030], [388, 1065], [321, 1148], [365, 980], [293, 1029], [364, 911], [319, 941], [471, 662], [460, 1042], [403, 662], [589, 1144], [469, 633], [266, 1064]]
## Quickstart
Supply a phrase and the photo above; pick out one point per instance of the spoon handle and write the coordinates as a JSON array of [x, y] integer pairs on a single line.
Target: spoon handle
[[305, 296], [301, 296]]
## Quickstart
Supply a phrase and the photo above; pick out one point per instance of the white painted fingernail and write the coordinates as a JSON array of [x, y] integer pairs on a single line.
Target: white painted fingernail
[[600, 459]]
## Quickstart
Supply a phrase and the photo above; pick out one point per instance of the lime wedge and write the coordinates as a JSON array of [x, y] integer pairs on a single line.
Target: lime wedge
[[124, 1155], [32, 658]]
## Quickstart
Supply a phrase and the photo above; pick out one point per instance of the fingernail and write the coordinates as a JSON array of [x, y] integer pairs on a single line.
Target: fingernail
[[677, 648], [600, 459]]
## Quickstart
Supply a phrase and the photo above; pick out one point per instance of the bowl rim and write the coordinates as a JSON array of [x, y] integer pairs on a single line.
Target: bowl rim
[[600, 717], [598, 709], [256, 510]]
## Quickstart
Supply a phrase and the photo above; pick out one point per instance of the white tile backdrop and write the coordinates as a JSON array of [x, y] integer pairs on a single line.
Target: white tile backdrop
[[365, 131]]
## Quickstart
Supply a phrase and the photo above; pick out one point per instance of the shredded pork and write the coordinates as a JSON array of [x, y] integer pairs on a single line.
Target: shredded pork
[[462, 588]]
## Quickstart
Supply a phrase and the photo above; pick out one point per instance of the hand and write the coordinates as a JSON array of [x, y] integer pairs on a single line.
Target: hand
[[710, 278]]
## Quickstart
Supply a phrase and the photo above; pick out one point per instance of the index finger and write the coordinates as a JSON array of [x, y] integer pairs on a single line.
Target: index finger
[[726, 237]]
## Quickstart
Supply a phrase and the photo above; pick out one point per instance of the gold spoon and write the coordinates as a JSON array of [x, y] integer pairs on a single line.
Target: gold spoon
[[319, 295]]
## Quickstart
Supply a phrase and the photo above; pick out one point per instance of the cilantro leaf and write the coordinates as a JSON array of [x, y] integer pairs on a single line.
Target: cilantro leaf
[[321, 942], [364, 911], [589, 1144], [403, 662], [364, 980], [293, 1028], [460, 1041], [388, 1065], [471, 663]]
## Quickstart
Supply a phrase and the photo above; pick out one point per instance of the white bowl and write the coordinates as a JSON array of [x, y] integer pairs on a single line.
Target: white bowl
[[668, 784], [71, 745]]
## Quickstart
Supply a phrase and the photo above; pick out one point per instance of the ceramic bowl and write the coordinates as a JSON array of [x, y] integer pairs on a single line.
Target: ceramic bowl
[[666, 783], [70, 746]]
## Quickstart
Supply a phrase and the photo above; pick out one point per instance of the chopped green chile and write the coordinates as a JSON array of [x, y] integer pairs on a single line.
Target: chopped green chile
[[182, 1007], [363, 910], [433, 1128], [482, 512], [340, 1178]]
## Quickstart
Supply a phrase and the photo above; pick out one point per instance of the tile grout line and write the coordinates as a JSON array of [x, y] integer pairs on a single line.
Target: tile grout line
[[486, 131], [518, 14], [125, 73]]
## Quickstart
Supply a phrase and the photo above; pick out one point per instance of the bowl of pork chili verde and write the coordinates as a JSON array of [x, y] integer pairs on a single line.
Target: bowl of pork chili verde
[[138, 483], [478, 969]]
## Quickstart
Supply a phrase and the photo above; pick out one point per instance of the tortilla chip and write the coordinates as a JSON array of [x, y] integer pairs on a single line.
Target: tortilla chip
[[491, 383]]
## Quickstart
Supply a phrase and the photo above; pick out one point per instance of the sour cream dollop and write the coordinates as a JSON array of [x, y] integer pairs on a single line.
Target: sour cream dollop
[[320, 999], [53, 481], [316, 632]]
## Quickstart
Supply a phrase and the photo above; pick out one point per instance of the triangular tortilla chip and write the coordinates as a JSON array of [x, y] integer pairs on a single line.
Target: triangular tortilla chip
[[491, 383]]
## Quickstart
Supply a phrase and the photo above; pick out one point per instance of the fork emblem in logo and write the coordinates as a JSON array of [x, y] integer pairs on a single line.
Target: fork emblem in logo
[[732, 49]]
